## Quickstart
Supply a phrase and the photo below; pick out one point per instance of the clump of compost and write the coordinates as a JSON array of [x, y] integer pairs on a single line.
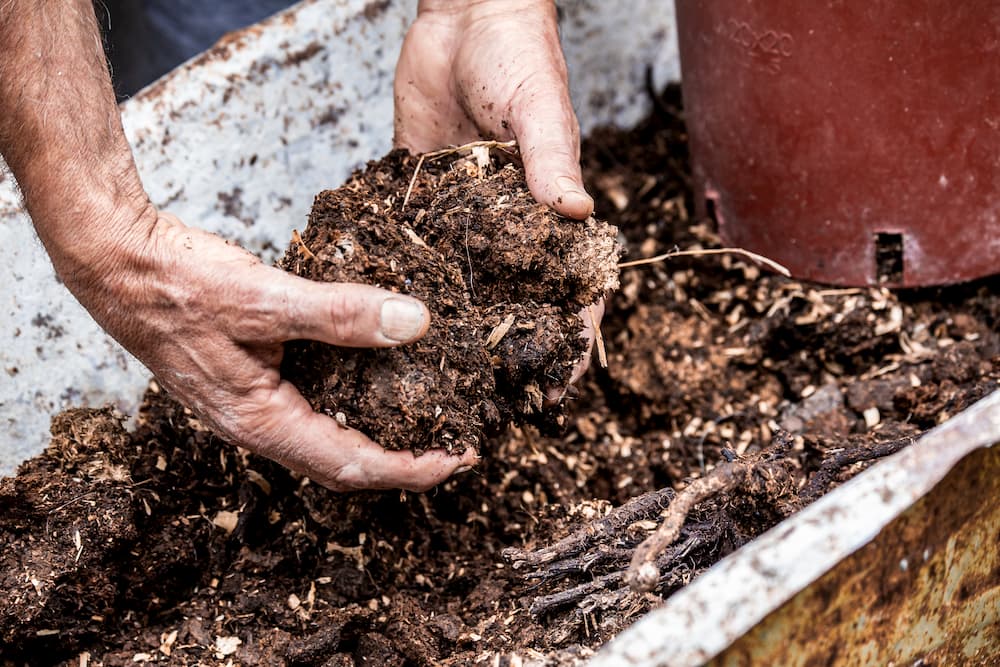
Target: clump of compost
[[505, 278]]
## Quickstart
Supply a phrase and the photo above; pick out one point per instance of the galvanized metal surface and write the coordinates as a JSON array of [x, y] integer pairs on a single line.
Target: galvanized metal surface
[[239, 140], [878, 607]]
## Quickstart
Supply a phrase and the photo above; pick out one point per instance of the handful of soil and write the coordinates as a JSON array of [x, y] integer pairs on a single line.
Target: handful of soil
[[505, 279]]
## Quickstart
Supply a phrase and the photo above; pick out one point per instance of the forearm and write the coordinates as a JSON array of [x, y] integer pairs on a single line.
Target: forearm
[[61, 134]]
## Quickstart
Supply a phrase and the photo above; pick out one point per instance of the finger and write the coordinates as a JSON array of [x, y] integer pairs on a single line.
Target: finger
[[345, 314], [549, 136], [286, 429]]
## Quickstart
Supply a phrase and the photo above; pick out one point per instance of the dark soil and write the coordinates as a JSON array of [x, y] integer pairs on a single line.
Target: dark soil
[[473, 244], [167, 545]]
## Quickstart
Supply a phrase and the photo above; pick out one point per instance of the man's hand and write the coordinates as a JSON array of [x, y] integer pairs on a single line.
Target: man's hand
[[205, 316], [495, 69], [209, 319]]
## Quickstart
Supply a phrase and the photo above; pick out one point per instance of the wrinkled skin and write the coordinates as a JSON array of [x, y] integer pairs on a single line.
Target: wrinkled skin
[[206, 317], [210, 320], [495, 69]]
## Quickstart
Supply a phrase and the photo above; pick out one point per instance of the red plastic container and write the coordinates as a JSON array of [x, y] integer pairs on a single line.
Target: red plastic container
[[856, 143]]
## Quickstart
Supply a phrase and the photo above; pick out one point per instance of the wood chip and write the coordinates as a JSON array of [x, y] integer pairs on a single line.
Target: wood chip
[[499, 331], [226, 646], [482, 157], [303, 248], [259, 480], [226, 520], [167, 640], [413, 236], [602, 353]]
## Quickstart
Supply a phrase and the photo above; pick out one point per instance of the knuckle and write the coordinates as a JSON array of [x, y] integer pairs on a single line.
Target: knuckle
[[262, 324], [346, 312], [270, 312], [256, 422]]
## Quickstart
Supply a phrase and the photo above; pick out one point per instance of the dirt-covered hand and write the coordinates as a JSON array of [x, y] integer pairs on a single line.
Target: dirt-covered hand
[[209, 319], [493, 69], [206, 317]]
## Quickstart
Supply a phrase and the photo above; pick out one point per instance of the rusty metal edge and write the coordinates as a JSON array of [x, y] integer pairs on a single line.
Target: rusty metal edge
[[925, 591], [710, 614]]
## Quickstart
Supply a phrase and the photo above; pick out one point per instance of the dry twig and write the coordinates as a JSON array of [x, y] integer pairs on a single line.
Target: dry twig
[[413, 180], [760, 259]]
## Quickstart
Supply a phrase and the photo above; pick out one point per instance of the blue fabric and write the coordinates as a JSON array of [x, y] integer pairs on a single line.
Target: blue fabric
[[185, 28], [151, 37]]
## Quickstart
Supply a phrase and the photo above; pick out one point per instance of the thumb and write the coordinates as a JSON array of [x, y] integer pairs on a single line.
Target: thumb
[[345, 314], [547, 131]]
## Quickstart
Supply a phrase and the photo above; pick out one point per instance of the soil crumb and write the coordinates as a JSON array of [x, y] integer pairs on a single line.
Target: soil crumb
[[503, 276]]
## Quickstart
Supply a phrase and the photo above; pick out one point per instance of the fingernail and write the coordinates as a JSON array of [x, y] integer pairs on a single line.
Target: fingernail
[[402, 319], [460, 469], [573, 196]]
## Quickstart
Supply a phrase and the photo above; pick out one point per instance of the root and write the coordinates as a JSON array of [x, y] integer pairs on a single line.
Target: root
[[637, 509], [487, 143], [821, 480], [608, 591], [643, 573], [603, 549], [547, 603], [620, 569]]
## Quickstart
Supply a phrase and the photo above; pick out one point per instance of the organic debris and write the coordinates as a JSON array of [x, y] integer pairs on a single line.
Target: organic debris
[[504, 277], [713, 365]]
